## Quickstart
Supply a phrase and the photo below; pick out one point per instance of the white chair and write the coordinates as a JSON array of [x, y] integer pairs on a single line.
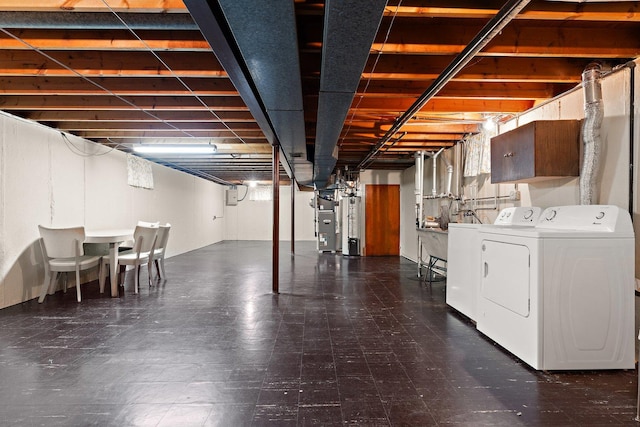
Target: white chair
[[128, 245], [64, 253], [144, 241], [160, 248]]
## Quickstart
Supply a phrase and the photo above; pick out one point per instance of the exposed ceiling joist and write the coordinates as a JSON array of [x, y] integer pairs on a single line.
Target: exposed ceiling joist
[[124, 72]]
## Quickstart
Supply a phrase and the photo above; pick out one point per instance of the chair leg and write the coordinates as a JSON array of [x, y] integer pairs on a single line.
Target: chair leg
[[150, 272], [48, 286], [78, 295], [137, 279], [122, 274], [164, 275], [157, 263]]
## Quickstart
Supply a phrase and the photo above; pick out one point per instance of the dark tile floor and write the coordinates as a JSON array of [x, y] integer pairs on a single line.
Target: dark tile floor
[[348, 341]]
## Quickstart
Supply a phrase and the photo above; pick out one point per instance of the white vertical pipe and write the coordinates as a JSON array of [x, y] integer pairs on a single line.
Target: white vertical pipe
[[434, 190], [419, 186]]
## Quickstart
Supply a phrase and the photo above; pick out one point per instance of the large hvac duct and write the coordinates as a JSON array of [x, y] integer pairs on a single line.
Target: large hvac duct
[[591, 140]]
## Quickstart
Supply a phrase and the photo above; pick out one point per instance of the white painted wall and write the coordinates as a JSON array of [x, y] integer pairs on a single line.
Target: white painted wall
[[251, 220], [44, 180]]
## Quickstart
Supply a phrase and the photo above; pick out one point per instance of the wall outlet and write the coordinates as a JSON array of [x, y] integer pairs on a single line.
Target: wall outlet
[[514, 195]]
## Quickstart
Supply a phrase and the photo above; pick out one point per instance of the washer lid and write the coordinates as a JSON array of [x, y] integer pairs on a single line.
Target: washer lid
[[604, 218]]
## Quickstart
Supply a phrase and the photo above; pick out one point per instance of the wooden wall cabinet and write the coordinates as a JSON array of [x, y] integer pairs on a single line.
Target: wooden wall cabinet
[[539, 150]]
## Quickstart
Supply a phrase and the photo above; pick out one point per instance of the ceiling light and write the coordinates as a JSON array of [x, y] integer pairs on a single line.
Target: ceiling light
[[175, 149], [489, 124]]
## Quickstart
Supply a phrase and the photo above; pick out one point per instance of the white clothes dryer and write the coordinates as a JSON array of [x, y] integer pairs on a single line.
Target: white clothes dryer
[[463, 257], [560, 296]]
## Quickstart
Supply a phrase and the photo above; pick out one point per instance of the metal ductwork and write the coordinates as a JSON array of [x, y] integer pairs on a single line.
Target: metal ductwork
[[257, 45], [350, 27], [591, 140]]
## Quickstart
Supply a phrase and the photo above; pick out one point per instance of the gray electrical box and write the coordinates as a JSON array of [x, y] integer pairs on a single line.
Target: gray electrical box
[[232, 196]]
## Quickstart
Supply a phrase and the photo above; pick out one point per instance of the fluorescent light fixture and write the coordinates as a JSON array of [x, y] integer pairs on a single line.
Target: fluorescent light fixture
[[252, 183], [175, 149]]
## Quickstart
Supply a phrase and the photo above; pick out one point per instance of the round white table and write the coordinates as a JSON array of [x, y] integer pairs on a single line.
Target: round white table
[[113, 237]]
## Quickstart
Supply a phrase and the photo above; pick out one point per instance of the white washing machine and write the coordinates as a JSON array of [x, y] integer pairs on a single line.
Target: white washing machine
[[560, 296], [463, 257]]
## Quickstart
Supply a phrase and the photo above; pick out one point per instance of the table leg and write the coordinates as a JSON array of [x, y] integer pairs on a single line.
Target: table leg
[[113, 268]]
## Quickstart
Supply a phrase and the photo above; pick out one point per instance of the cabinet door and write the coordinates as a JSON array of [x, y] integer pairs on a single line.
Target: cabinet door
[[512, 156], [536, 151]]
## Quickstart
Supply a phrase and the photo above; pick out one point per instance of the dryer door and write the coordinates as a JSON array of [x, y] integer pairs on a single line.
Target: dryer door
[[505, 275]]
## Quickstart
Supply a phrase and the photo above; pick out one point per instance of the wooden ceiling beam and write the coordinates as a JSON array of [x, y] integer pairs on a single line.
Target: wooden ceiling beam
[[556, 11], [460, 89], [487, 9], [110, 64], [413, 147], [511, 69], [391, 106], [54, 39], [112, 126], [171, 133], [484, 69], [523, 38], [430, 136], [150, 103], [418, 127], [124, 86], [138, 6], [134, 116]]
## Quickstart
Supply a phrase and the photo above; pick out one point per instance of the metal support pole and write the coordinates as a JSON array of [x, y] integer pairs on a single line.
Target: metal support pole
[[276, 218], [293, 216]]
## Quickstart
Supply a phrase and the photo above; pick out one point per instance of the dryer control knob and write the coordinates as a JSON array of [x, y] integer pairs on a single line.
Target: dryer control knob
[[600, 215], [528, 214], [551, 214]]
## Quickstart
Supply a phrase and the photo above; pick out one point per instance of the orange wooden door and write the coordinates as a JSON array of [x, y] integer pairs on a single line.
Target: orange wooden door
[[382, 220]]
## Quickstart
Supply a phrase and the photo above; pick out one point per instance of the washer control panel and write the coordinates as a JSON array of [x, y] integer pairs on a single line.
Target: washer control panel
[[518, 216], [581, 217]]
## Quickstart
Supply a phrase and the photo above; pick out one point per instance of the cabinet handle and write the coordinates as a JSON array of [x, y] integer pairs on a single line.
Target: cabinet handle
[[509, 154]]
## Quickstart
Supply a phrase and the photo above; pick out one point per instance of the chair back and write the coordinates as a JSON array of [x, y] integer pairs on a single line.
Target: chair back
[[145, 238], [62, 242], [149, 224], [163, 237]]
